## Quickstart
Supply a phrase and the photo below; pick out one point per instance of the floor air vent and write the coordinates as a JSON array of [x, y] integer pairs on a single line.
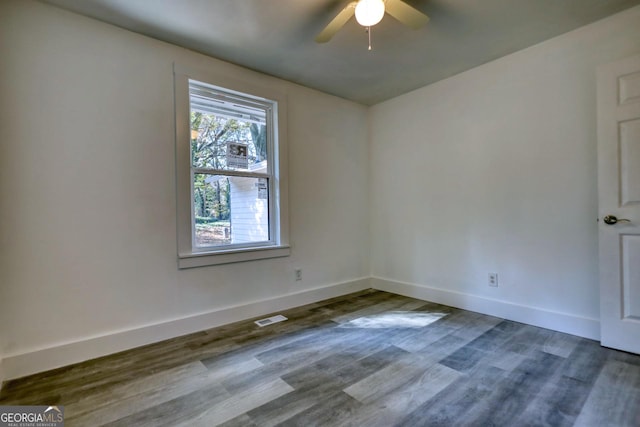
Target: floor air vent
[[270, 320]]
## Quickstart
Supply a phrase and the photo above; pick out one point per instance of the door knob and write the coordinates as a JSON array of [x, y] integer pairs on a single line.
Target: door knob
[[611, 219]]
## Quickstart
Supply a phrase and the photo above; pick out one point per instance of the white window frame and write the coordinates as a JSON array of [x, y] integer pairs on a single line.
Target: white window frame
[[278, 244]]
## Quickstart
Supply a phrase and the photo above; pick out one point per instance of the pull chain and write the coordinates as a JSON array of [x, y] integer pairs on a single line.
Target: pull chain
[[369, 33]]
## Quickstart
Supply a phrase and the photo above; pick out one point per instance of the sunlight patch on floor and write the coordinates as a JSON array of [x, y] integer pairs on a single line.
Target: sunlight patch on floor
[[394, 319]]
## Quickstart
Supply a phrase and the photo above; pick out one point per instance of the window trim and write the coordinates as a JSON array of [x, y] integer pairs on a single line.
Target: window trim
[[188, 255]]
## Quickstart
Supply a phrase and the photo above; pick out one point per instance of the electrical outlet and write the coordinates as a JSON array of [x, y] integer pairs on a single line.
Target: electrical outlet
[[298, 274], [493, 279]]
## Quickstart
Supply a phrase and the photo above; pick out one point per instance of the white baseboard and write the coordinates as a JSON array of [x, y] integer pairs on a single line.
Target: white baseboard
[[562, 322], [39, 360], [18, 365]]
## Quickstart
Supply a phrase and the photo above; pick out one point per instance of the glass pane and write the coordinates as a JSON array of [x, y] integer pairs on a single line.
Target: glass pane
[[219, 142], [230, 210]]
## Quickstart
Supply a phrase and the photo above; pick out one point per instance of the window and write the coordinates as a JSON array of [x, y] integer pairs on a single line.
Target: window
[[231, 171]]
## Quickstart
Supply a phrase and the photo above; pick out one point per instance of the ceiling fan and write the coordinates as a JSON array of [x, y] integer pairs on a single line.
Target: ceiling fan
[[369, 12]]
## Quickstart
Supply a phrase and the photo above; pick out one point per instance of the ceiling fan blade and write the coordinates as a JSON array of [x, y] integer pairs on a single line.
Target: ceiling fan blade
[[406, 14], [337, 23]]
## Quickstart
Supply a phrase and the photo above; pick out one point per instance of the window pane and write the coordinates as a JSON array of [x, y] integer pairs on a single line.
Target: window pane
[[220, 142], [230, 210]]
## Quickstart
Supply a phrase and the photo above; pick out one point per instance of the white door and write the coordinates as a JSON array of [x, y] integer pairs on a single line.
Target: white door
[[619, 203]]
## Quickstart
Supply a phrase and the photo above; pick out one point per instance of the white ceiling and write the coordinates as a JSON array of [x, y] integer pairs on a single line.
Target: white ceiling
[[276, 36]]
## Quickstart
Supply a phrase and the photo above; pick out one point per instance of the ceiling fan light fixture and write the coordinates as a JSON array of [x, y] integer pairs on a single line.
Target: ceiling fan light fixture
[[369, 12]]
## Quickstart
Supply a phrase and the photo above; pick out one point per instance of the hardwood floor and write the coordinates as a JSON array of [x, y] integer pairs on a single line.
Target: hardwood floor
[[366, 359]]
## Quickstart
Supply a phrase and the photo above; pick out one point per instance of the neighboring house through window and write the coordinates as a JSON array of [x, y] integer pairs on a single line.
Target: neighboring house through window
[[231, 170]]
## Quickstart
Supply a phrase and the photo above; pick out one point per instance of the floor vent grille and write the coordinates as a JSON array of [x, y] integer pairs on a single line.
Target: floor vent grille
[[270, 320]]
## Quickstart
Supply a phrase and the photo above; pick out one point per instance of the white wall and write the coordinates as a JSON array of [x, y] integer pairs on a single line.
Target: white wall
[[494, 170], [87, 184], [1, 357]]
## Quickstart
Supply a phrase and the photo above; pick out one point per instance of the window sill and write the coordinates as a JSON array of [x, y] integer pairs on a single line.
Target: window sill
[[231, 256]]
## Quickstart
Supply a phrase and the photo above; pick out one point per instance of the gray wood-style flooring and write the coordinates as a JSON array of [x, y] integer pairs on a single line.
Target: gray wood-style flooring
[[366, 359]]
